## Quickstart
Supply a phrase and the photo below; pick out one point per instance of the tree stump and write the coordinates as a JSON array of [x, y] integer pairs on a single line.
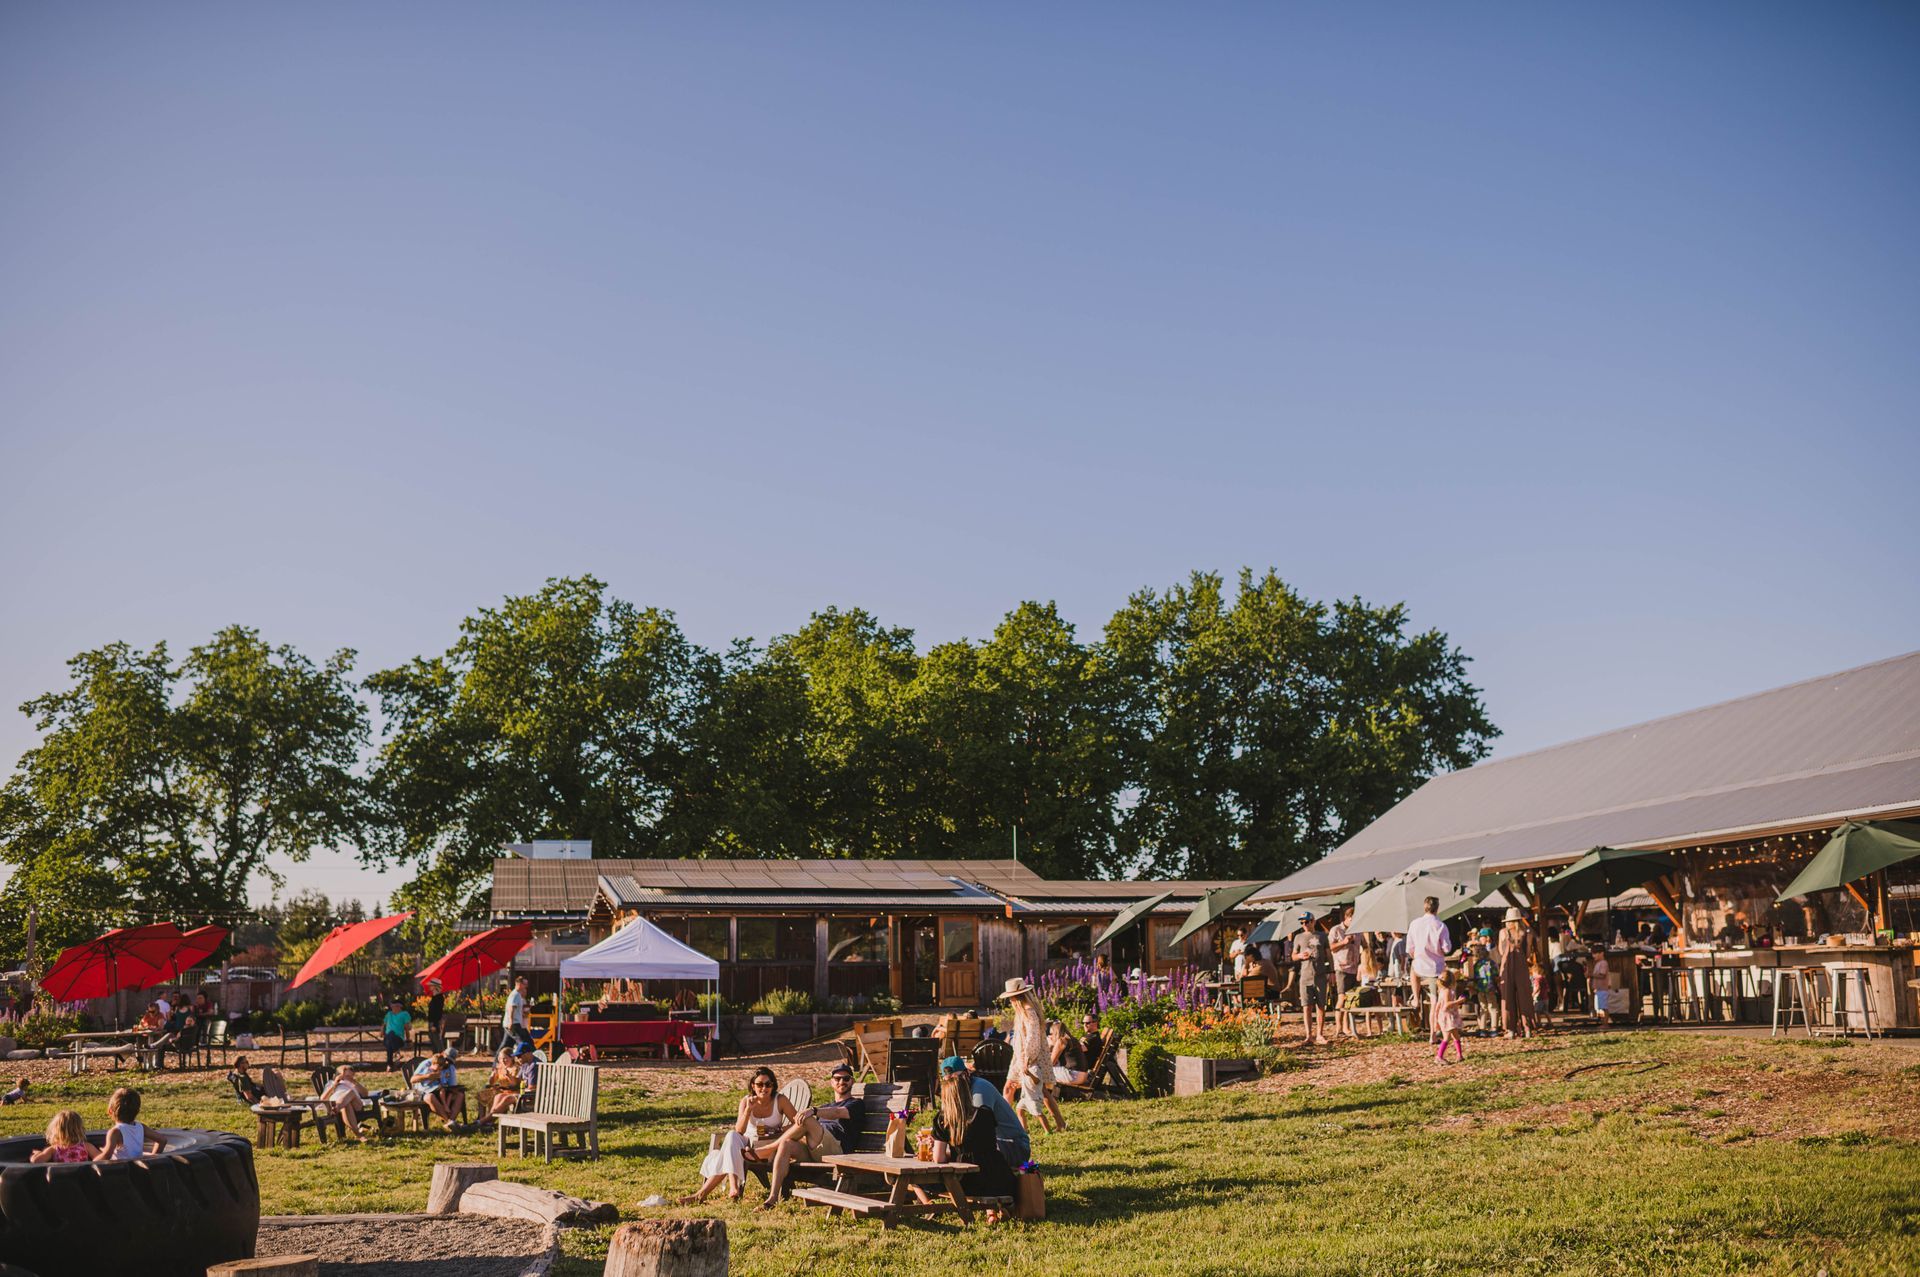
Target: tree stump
[[524, 1201], [272, 1266], [669, 1248], [451, 1180]]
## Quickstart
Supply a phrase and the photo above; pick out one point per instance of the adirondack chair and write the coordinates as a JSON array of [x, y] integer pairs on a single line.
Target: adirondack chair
[[218, 1036], [873, 1040], [566, 1104], [913, 1060], [959, 1034], [992, 1061], [1104, 1075]]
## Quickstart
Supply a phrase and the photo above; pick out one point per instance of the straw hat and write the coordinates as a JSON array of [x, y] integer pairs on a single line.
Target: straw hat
[[1016, 988], [1516, 915]]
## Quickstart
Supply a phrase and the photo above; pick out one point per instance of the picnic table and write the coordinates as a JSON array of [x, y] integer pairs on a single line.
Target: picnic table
[[104, 1044], [902, 1175], [332, 1037]]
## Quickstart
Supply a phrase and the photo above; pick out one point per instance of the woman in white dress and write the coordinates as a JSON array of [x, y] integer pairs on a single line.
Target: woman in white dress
[[764, 1115], [1032, 1069]]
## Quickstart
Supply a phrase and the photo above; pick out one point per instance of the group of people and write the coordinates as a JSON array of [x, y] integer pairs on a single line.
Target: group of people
[[172, 1021], [126, 1139], [435, 1081], [1498, 978], [973, 1123]]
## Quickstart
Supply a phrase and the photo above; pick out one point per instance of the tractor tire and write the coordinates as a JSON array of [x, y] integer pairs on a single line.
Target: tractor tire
[[173, 1214]]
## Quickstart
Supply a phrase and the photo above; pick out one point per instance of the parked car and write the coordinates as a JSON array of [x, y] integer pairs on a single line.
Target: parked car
[[240, 973]]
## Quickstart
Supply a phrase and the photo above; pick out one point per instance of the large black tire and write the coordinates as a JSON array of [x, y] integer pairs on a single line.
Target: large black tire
[[169, 1215]]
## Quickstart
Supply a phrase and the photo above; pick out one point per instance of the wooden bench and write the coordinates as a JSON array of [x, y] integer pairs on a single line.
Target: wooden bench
[[836, 1201], [80, 1057], [1368, 1016], [566, 1102]]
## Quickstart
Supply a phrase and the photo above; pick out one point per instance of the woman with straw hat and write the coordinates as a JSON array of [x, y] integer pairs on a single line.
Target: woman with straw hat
[[1031, 1067]]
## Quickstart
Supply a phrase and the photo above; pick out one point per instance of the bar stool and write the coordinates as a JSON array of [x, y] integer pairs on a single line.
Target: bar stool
[[1789, 981], [1663, 991], [1847, 982]]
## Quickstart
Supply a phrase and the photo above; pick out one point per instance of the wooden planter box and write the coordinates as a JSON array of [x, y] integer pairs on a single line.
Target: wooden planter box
[[1193, 1074]]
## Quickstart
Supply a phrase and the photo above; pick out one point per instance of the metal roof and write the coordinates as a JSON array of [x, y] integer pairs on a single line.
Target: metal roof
[[621, 890], [547, 887], [1801, 756]]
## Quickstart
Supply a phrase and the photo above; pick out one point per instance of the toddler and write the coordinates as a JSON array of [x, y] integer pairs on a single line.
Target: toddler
[[18, 1093], [1447, 1017]]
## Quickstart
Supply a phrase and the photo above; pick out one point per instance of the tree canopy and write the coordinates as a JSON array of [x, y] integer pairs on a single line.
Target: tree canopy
[[1205, 732], [160, 789]]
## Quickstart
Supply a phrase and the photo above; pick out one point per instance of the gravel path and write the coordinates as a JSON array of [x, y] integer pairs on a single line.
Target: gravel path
[[410, 1245]]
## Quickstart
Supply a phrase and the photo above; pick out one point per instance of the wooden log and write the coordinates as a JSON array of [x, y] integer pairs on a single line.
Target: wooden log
[[452, 1179], [524, 1201], [271, 1266], [669, 1248]]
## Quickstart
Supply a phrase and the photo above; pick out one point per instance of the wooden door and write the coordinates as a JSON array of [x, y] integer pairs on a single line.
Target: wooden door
[[959, 962]]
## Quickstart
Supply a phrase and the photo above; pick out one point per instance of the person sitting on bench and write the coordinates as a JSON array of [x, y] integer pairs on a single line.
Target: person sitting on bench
[[819, 1132], [963, 1133]]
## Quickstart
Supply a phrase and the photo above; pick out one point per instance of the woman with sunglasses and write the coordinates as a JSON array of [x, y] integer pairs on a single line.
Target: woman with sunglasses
[[764, 1115]]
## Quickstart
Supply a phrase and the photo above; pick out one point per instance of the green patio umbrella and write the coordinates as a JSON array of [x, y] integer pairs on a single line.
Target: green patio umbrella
[[1606, 871], [1856, 850], [1395, 903], [1489, 883], [1213, 905], [1130, 915]]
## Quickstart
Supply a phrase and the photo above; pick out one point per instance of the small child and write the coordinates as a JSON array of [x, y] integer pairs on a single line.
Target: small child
[[1447, 1016], [1542, 989], [66, 1140], [128, 1139], [18, 1093]]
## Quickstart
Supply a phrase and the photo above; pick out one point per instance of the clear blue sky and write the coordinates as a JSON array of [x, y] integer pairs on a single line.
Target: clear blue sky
[[1590, 333]]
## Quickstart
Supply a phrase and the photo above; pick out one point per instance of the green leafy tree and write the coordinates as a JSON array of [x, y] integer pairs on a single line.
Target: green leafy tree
[[1263, 730], [1023, 734], [561, 714], [748, 787], [177, 782], [864, 762]]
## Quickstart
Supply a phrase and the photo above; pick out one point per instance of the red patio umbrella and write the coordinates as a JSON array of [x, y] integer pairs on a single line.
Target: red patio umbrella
[[193, 950], [343, 942], [479, 956], [129, 958]]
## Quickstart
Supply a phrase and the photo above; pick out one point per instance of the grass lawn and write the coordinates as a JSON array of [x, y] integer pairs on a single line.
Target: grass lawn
[[1681, 1154]]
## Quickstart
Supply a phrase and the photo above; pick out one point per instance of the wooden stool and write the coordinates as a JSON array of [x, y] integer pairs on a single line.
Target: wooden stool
[[1848, 982], [1792, 982], [278, 1125]]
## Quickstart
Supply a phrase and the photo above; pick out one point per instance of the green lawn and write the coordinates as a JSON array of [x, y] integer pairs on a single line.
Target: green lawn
[[1683, 1156]]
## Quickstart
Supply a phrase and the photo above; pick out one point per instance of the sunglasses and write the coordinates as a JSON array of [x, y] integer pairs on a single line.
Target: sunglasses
[[767, 1085]]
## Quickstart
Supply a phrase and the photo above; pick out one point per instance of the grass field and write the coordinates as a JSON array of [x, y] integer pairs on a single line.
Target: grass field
[[1677, 1154]]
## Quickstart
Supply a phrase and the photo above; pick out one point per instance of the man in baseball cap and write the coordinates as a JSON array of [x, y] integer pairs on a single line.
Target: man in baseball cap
[[819, 1132]]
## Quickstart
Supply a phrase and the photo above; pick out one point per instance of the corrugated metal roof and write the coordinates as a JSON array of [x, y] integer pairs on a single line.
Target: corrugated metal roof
[[1049, 889], [1804, 755], [1099, 908], [553, 886], [622, 891]]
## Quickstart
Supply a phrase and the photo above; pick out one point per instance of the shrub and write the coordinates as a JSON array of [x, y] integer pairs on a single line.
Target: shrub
[[298, 1017], [43, 1029], [1150, 1068], [784, 1002], [1130, 1019], [352, 1013], [714, 1005]]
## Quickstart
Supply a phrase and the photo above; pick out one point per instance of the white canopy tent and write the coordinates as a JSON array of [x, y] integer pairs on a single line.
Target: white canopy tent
[[640, 951]]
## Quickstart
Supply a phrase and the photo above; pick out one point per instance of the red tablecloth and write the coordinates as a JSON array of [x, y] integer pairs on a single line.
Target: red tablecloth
[[580, 1033]]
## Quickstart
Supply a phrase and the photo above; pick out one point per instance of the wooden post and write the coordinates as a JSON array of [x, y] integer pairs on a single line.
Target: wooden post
[[451, 1180], [669, 1248], [271, 1266]]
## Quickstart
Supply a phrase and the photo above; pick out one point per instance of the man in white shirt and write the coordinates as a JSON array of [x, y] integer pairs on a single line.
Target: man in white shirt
[[1428, 945], [513, 1021]]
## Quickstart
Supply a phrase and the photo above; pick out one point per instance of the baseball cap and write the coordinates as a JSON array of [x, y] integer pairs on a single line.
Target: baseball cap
[[840, 1068], [1306, 915], [952, 1064]]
